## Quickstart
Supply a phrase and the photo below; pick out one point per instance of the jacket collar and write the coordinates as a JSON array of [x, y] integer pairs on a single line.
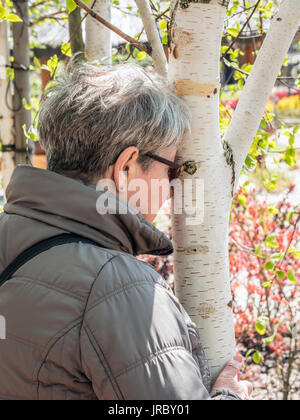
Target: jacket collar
[[70, 205]]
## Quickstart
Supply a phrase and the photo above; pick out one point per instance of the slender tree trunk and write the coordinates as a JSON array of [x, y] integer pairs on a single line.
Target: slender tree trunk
[[22, 79], [75, 33], [158, 55], [201, 247], [255, 95], [6, 117], [98, 45]]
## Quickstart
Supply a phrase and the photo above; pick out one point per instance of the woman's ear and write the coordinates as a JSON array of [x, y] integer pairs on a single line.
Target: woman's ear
[[125, 168]]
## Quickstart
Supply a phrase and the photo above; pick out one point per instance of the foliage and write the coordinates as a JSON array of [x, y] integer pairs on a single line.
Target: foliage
[[5, 13], [264, 258], [265, 269]]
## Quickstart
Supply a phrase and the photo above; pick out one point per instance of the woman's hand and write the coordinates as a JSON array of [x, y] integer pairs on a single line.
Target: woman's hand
[[230, 379]]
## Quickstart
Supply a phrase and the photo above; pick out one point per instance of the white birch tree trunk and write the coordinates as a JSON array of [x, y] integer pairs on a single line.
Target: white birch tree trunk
[[6, 117], [98, 44], [201, 249], [21, 52], [201, 263], [158, 55]]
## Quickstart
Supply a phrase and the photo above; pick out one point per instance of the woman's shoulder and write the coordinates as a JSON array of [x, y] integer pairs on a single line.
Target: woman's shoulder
[[123, 273]]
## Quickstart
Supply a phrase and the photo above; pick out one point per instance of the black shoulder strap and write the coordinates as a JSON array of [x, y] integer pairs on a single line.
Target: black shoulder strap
[[28, 254]]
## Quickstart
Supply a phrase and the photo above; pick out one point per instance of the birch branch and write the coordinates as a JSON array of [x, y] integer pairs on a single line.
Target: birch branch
[[241, 31], [254, 98], [158, 55], [112, 27]]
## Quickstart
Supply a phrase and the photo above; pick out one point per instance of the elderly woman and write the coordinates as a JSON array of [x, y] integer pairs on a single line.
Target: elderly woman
[[85, 319]]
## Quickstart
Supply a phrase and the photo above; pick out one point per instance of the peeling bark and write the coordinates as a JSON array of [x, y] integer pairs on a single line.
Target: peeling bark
[[201, 263]]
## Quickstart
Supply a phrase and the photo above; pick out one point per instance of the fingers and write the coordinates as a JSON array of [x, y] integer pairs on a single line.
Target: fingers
[[234, 364], [249, 387], [237, 362], [239, 358]]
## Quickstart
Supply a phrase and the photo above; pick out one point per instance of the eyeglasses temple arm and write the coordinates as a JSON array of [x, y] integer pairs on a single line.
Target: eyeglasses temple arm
[[163, 160]]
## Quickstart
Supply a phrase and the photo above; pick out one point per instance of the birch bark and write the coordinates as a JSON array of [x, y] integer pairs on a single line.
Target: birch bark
[[98, 44], [201, 265], [158, 55]]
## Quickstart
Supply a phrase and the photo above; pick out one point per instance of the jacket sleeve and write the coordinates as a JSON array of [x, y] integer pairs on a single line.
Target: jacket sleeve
[[135, 338], [201, 360]]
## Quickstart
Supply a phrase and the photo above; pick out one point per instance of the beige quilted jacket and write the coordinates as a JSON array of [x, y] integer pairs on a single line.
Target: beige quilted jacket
[[84, 322]]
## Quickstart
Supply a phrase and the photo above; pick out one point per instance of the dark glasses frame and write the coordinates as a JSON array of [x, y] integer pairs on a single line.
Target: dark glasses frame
[[175, 169]]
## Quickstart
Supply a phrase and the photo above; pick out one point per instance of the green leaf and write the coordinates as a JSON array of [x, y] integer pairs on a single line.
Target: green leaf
[[71, 5], [29, 134], [233, 31], [258, 253], [11, 17], [290, 156], [273, 210], [52, 64], [291, 277], [249, 352], [257, 357], [269, 266], [280, 274], [164, 40], [267, 341], [260, 326], [162, 24], [263, 124], [141, 55], [267, 284], [3, 12], [242, 200], [26, 105], [66, 49], [37, 62], [250, 161], [271, 242]]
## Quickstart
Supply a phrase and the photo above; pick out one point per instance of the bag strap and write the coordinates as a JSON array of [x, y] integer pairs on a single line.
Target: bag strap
[[33, 251]]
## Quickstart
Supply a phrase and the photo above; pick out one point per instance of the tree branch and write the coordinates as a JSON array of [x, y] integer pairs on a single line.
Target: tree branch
[[241, 31], [255, 94], [113, 28], [158, 55], [51, 15]]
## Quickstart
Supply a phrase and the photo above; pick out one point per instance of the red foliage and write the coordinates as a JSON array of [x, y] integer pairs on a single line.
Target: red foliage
[[260, 234]]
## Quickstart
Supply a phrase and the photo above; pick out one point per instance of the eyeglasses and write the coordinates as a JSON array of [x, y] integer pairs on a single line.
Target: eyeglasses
[[174, 168]]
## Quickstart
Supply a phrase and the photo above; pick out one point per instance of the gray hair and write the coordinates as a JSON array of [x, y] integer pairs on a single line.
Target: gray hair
[[92, 113]]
